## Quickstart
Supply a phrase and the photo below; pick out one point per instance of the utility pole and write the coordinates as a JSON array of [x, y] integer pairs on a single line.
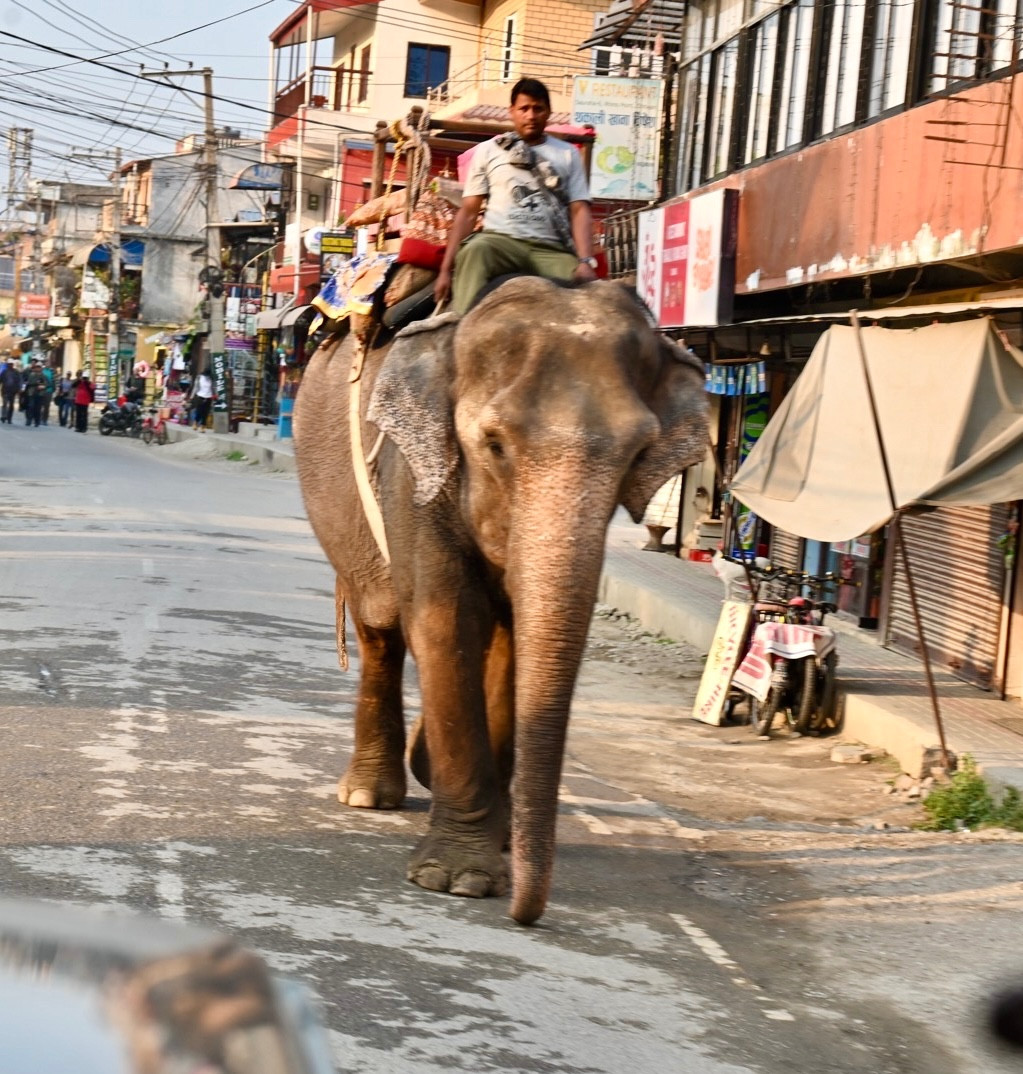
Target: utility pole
[[114, 309], [212, 276]]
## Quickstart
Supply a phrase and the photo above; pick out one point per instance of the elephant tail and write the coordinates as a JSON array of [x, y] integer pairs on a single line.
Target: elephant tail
[[339, 614]]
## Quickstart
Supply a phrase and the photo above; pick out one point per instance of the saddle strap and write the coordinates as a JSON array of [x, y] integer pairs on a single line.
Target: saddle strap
[[370, 507]]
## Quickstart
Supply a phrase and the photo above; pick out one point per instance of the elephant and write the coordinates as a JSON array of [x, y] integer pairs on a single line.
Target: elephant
[[503, 443]]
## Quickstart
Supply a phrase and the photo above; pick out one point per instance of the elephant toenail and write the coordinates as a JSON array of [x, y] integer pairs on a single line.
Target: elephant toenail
[[361, 799], [430, 876], [472, 885]]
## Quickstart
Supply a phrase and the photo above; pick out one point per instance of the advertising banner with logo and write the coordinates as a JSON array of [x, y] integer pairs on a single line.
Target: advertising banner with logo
[[693, 243], [623, 113], [33, 307]]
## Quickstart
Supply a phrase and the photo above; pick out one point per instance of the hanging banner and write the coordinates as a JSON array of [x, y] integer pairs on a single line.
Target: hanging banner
[[623, 113], [219, 367]]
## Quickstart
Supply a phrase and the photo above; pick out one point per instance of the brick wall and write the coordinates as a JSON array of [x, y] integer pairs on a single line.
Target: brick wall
[[547, 35]]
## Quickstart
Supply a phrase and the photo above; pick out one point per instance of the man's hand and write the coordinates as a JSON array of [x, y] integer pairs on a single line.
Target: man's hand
[[442, 286], [584, 272]]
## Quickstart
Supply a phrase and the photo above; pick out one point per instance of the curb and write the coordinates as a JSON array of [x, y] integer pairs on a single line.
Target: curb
[[270, 454]]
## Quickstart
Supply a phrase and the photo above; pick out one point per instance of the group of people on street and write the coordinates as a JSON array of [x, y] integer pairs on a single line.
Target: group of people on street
[[34, 388]]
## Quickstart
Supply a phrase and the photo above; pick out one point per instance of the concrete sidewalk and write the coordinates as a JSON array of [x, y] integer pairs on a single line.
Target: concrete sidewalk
[[884, 695]]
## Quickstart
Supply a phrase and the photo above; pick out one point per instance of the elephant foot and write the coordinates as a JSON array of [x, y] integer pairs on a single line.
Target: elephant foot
[[442, 865], [364, 788]]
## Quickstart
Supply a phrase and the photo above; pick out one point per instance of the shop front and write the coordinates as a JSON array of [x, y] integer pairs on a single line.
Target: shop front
[[948, 395]]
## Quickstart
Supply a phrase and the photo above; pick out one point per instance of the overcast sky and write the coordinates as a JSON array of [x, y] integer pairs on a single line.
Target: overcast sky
[[84, 105]]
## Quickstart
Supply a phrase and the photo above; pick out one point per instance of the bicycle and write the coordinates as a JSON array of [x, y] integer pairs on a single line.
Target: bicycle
[[154, 428]]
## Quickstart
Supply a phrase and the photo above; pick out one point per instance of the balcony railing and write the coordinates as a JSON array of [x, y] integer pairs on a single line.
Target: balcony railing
[[340, 88]]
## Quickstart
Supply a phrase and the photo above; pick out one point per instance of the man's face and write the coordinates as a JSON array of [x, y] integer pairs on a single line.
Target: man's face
[[529, 117]]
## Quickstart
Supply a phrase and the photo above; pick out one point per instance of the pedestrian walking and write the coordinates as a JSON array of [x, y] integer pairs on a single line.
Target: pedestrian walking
[[35, 393], [64, 398], [202, 398], [47, 397], [84, 394], [10, 389]]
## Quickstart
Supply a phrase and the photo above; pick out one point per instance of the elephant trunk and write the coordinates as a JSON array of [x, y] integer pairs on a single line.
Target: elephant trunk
[[554, 589]]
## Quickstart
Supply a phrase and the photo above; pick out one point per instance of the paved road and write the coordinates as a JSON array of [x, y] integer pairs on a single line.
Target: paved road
[[174, 723]]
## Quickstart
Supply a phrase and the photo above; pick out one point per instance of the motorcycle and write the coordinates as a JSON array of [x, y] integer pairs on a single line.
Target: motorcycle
[[121, 416]]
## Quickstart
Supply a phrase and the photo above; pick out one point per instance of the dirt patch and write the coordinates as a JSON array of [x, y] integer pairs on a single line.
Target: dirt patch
[[640, 688]]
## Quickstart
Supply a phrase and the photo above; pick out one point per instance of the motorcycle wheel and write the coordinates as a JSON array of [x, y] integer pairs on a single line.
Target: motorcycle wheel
[[135, 429], [161, 435], [105, 427], [762, 713], [147, 434], [827, 709], [803, 696]]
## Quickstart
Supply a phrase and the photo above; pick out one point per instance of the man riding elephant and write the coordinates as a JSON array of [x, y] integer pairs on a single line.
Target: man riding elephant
[[538, 218]]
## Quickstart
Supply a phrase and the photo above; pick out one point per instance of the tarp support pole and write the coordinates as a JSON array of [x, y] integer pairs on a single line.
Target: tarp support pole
[[900, 541]]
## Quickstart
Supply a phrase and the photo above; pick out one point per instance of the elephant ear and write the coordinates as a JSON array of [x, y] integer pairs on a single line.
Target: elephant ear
[[679, 403], [411, 402]]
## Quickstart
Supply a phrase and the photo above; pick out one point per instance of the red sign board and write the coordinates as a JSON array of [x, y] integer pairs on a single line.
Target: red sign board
[[33, 307], [675, 260]]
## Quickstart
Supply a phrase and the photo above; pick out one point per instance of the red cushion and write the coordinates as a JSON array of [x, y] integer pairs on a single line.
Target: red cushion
[[424, 254]]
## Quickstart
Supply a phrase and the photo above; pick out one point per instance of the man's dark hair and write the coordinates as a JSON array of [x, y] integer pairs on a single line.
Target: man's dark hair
[[531, 87]]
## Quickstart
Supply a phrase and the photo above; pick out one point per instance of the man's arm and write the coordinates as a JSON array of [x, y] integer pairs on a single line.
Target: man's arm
[[582, 236], [461, 229]]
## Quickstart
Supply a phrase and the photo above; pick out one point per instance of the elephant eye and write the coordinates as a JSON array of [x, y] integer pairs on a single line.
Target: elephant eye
[[495, 447]]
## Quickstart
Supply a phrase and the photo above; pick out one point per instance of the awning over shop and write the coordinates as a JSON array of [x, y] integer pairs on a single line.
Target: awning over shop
[[950, 405], [90, 253], [292, 315], [270, 320]]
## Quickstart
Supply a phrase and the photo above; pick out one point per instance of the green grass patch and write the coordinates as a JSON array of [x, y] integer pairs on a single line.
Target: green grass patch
[[236, 456], [966, 801]]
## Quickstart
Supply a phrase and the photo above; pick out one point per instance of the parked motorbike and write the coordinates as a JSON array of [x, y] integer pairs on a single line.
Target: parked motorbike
[[121, 416]]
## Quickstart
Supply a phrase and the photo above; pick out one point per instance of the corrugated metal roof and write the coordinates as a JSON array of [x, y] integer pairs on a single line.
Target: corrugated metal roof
[[637, 20]]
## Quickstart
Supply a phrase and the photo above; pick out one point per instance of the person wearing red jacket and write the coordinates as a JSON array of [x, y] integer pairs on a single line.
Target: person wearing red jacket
[[84, 395]]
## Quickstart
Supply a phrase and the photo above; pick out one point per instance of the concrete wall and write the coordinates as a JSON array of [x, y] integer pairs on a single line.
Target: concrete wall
[[176, 237]]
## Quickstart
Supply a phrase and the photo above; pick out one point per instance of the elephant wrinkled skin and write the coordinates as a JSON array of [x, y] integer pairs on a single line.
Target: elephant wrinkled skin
[[512, 436]]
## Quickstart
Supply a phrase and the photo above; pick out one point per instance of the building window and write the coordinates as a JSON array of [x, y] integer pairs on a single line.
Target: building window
[[762, 81], [693, 126], [508, 50], [722, 110], [364, 75], [6, 273], [842, 42], [891, 45], [971, 41], [795, 73], [426, 68]]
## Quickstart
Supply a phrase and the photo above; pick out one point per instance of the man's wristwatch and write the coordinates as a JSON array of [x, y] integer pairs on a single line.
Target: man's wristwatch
[[591, 261]]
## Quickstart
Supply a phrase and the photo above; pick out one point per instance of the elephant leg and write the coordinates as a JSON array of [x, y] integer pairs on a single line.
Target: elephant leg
[[499, 683], [376, 774], [461, 852]]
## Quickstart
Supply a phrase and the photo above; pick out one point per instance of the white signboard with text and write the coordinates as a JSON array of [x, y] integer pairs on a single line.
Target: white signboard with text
[[686, 259], [623, 113]]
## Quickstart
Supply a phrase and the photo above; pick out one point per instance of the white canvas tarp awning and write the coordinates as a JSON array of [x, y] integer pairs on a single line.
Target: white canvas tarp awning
[[950, 405]]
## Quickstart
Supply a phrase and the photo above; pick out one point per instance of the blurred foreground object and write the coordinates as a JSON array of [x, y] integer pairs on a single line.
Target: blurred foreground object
[[120, 994], [1007, 1016]]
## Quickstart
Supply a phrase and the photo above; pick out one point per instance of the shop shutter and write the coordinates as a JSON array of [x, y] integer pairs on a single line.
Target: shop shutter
[[786, 550], [959, 572]]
